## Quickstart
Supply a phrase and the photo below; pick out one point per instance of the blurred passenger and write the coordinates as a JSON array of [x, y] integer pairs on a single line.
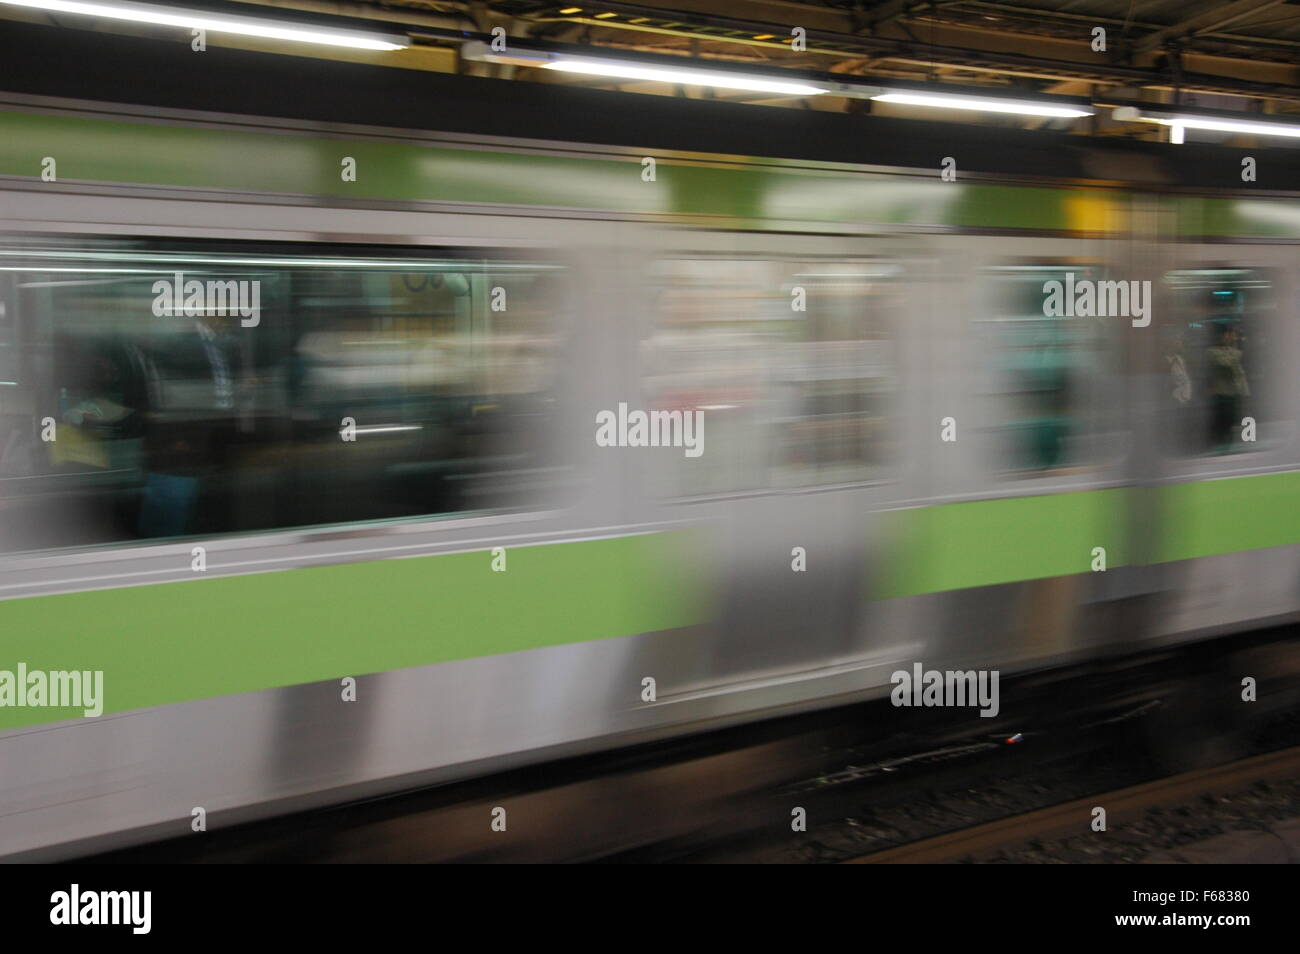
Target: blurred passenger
[[95, 412], [1049, 409], [1180, 411], [186, 436], [1179, 379], [1228, 387], [100, 421]]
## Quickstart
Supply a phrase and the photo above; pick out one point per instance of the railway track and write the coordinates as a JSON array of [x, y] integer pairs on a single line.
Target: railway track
[[1123, 807]]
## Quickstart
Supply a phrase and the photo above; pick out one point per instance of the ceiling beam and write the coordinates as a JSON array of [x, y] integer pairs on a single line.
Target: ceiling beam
[[1217, 16], [887, 11]]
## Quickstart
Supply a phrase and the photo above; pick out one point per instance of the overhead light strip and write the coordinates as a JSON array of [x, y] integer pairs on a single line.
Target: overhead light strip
[[219, 23], [718, 79], [1232, 125], [1177, 122], [612, 68], [981, 104]]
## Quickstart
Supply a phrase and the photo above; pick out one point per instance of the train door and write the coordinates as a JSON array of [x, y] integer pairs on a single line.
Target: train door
[[1226, 338], [1028, 497], [791, 352]]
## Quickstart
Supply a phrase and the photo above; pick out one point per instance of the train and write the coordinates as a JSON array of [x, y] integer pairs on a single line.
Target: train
[[299, 421]]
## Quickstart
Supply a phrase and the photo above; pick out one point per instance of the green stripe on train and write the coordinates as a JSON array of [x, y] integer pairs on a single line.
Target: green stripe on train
[[169, 155], [1208, 517], [174, 642], [986, 542], [115, 151]]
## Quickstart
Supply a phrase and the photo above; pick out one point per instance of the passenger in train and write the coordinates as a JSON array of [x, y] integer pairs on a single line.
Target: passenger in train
[[1050, 412], [95, 447], [1180, 407], [1228, 387], [1179, 380], [96, 411], [192, 390]]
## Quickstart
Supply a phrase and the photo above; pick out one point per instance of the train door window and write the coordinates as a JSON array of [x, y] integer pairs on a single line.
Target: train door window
[[1215, 341], [204, 388], [1047, 370], [790, 363]]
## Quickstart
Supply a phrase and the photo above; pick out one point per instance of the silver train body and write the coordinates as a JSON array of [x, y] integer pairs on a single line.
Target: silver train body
[[775, 640]]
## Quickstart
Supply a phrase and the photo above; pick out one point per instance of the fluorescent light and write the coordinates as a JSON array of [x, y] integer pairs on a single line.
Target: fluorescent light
[[1179, 122], [686, 77], [386, 428], [218, 23], [960, 101], [1229, 125]]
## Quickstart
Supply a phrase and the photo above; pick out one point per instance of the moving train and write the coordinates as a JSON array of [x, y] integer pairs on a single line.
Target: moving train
[[298, 423]]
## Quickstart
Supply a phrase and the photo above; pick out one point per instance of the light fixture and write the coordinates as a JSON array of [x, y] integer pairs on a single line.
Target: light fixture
[[980, 103], [650, 72], [718, 79], [1177, 122], [219, 23]]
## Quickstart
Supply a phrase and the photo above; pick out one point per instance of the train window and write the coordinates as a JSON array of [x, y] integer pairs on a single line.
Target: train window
[[1214, 341], [208, 390], [791, 364], [1047, 370]]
